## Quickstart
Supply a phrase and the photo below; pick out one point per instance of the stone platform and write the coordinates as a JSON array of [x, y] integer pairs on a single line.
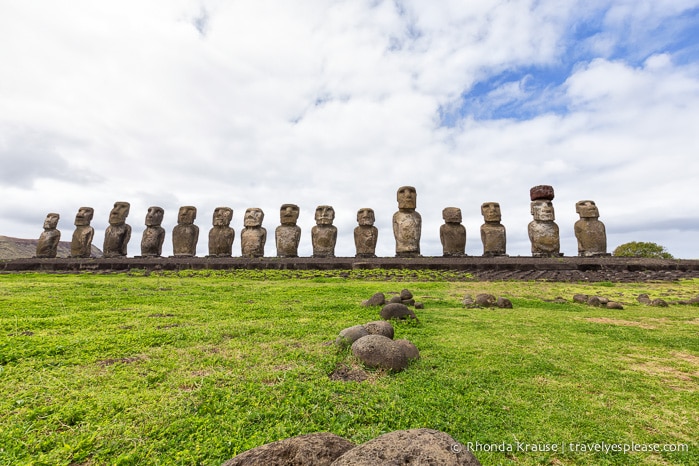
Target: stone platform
[[570, 269]]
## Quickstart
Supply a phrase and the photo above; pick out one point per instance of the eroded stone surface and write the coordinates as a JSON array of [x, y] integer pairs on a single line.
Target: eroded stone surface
[[47, 246], [407, 223], [424, 447], [318, 449], [380, 352]]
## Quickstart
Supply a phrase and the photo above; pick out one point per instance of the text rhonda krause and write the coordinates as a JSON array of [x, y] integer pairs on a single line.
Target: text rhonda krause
[[602, 447]]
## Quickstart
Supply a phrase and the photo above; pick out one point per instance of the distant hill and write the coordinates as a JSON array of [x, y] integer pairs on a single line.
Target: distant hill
[[19, 248]]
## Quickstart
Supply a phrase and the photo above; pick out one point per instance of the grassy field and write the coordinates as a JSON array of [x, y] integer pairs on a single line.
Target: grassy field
[[195, 367]]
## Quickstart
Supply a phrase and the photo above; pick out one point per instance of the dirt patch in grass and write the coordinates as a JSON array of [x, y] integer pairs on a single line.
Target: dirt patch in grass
[[345, 373], [111, 361], [685, 378], [625, 323]]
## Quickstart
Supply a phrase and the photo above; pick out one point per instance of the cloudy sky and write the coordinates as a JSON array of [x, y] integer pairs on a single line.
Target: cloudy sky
[[259, 103]]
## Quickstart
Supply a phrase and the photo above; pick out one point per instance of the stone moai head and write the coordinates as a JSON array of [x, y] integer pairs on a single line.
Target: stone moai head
[[587, 209], [222, 216], [407, 197], [365, 216], [541, 205], [491, 212], [325, 215], [542, 211], [84, 216], [51, 221], [253, 217], [118, 214], [452, 215], [186, 215], [289, 214], [154, 217]]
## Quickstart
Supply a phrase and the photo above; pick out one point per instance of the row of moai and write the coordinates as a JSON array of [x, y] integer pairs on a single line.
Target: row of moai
[[407, 228]]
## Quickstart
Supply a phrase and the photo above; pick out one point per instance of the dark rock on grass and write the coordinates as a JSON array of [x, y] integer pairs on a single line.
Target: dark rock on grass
[[377, 299], [485, 300], [419, 306], [580, 298], [319, 449], [614, 305], [395, 299], [503, 303], [409, 349], [423, 447], [643, 298], [380, 352], [405, 295], [658, 302], [349, 335], [595, 301], [380, 327], [397, 311]]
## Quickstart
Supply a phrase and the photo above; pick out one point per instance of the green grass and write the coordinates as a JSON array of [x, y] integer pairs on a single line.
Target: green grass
[[196, 367]]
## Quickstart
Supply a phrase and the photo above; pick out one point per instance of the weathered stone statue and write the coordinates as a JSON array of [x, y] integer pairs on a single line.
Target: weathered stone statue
[[81, 244], [407, 223], [324, 233], [47, 246], [154, 235], [492, 231], [118, 233], [543, 231], [185, 234], [288, 234], [452, 234], [221, 236], [590, 232], [254, 236], [366, 234]]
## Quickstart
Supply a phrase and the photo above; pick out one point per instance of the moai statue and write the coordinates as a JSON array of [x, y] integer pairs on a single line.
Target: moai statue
[[543, 231], [118, 233], [154, 235], [492, 231], [407, 223], [185, 234], [452, 234], [81, 244], [254, 236], [288, 234], [47, 246], [324, 233], [590, 232], [221, 236], [365, 233]]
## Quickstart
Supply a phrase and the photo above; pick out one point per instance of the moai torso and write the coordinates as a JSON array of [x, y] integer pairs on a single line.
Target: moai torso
[[452, 234], [185, 234]]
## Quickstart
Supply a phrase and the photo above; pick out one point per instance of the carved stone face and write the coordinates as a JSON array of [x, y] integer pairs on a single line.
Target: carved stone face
[[587, 209], [51, 221], [542, 211], [365, 217], [325, 215], [84, 216], [491, 212], [407, 197], [452, 215], [186, 215], [154, 217], [119, 213], [253, 217], [222, 216], [289, 214]]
